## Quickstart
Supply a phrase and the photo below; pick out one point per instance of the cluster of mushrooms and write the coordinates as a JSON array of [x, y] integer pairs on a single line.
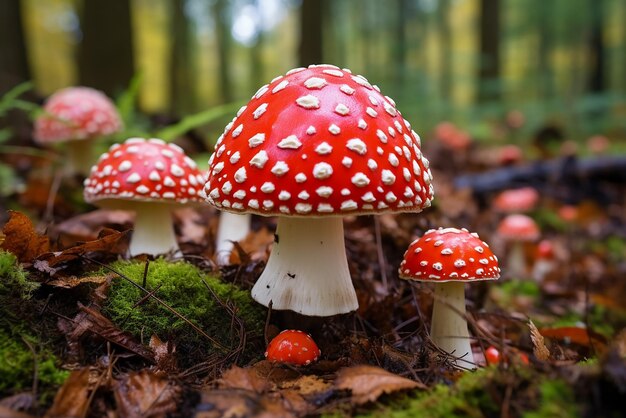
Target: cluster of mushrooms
[[310, 147]]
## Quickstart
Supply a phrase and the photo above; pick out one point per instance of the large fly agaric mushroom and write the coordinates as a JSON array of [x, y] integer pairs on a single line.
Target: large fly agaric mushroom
[[449, 258], [517, 229], [149, 177], [311, 147], [76, 116]]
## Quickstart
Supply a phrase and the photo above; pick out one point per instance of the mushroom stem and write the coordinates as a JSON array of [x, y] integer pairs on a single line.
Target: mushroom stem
[[232, 227], [307, 271], [516, 261], [79, 157], [153, 232], [449, 326]]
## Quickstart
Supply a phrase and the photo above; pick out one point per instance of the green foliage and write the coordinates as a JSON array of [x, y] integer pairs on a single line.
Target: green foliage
[[471, 396], [17, 366], [181, 286], [13, 280]]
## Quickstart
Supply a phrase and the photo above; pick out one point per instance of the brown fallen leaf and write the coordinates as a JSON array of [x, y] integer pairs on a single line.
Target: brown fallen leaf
[[539, 346], [242, 403], [72, 281], [577, 335], [307, 385], [21, 239], [239, 378], [6, 412], [85, 227], [72, 400], [368, 383], [145, 394], [164, 354], [254, 247]]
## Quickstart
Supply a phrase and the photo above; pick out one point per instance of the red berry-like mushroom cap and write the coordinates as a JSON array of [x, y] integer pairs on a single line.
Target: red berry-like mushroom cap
[[293, 347], [76, 113], [319, 141], [518, 227], [144, 170], [517, 200], [449, 254]]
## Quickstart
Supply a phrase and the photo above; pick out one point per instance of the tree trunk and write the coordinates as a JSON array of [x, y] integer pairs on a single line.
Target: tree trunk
[[13, 61], [311, 26], [546, 22], [489, 71], [182, 67], [445, 34], [595, 82], [106, 51], [222, 33], [257, 76]]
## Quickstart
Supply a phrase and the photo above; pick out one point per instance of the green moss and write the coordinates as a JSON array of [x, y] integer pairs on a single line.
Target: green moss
[[180, 285], [557, 400], [13, 280], [17, 367]]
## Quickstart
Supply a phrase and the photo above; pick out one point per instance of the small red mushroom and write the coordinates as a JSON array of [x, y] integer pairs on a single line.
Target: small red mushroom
[[493, 356], [449, 258], [517, 229], [312, 146], [523, 199], [151, 178], [77, 115], [293, 347]]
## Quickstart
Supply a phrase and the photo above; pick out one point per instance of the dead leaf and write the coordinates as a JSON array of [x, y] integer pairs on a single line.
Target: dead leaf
[[89, 320], [368, 383], [72, 400], [72, 281], [85, 227], [577, 335], [307, 385], [6, 412], [22, 240], [109, 241], [145, 394], [242, 403], [164, 353], [254, 247], [239, 378], [539, 346]]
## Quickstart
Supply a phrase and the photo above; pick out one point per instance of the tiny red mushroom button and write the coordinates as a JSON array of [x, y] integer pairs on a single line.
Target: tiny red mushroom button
[[293, 347]]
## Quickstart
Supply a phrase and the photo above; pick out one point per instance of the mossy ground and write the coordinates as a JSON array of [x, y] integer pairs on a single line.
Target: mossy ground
[[181, 286], [482, 393], [21, 347]]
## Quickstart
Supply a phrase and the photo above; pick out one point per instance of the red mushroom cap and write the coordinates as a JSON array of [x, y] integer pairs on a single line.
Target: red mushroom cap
[[76, 113], [293, 347], [518, 227], [144, 170], [545, 249], [517, 200], [449, 254], [319, 141]]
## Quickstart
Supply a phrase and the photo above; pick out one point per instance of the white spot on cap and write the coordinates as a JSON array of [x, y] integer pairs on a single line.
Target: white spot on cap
[[362, 124], [334, 129], [304, 195], [239, 194], [258, 112], [235, 157], [241, 110], [308, 102], [142, 189], [391, 131], [125, 166], [159, 165], [268, 187], [237, 130], [311, 130], [349, 205], [324, 148], [217, 168], [295, 70], [133, 178], [291, 142], [357, 145], [300, 178], [177, 171], [303, 207], [324, 208], [479, 249], [371, 163], [261, 91], [359, 79], [315, 83], [284, 195], [241, 175], [390, 109], [438, 266], [459, 263], [388, 177], [390, 197], [347, 89], [227, 187], [406, 173], [154, 176], [280, 168], [322, 170], [393, 160], [256, 140], [360, 179], [324, 191], [259, 159], [169, 182], [334, 73], [342, 109], [370, 111], [345, 192], [280, 86], [253, 203], [347, 162], [368, 197]]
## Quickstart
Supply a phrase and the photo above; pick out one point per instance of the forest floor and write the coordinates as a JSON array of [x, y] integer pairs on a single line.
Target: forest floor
[[78, 339]]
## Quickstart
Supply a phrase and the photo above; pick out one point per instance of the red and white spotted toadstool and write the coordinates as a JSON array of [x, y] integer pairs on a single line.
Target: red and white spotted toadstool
[[76, 116], [151, 178], [293, 347], [517, 229], [449, 258], [311, 147]]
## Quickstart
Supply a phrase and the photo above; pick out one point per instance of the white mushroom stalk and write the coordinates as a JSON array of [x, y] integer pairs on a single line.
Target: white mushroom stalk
[[153, 232], [79, 155], [448, 325], [232, 228], [307, 271]]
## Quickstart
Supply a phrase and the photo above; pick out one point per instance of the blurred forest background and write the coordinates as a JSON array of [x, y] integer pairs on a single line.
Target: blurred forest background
[[558, 62]]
